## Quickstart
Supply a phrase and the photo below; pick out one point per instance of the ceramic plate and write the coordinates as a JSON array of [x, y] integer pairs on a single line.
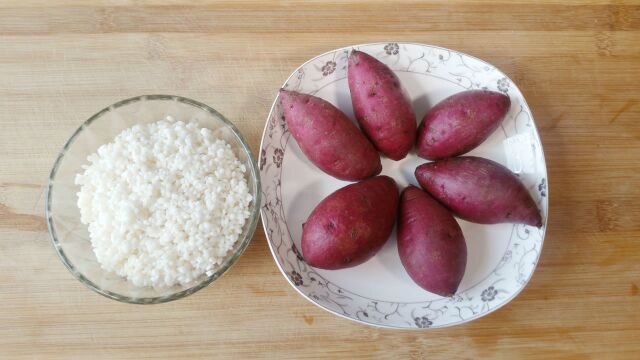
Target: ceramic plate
[[501, 258]]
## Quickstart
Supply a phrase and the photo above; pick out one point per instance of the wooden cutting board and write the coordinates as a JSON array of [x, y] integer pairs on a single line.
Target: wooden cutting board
[[577, 63]]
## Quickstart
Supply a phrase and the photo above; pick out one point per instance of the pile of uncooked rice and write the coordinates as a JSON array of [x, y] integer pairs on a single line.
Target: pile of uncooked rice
[[164, 202]]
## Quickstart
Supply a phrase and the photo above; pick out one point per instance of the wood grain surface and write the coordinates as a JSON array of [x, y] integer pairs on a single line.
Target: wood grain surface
[[577, 63]]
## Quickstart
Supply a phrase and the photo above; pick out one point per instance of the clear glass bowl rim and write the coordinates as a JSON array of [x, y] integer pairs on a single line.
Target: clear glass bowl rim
[[248, 235]]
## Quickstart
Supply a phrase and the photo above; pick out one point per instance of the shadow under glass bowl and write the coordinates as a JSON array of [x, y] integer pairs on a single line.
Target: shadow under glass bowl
[[70, 237]]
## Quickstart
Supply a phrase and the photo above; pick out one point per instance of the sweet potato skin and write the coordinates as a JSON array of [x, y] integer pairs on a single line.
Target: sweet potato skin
[[328, 138], [460, 123], [351, 225], [381, 105], [431, 245], [479, 190]]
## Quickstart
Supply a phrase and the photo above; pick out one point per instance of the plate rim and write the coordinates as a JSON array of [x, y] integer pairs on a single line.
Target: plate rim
[[263, 214]]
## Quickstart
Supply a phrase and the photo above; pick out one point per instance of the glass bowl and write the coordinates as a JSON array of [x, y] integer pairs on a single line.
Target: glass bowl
[[70, 237]]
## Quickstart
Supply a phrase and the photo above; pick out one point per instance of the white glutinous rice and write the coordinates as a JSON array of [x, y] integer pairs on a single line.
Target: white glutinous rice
[[164, 202]]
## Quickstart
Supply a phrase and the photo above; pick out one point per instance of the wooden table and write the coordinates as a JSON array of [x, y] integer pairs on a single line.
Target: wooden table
[[578, 64]]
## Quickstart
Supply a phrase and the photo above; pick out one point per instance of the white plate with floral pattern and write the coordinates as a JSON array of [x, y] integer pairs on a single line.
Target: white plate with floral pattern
[[501, 258]]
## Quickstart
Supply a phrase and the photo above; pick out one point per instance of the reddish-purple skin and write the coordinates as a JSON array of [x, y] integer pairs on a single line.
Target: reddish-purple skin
[[351, 225], [430, 243], [381, 106], [328, 138], [479, 190], [460, 123]]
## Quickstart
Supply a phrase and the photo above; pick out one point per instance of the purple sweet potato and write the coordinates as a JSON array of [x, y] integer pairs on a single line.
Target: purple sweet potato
[[430, 243], [351, 225], [479, 190], [328, 138], [381, 105], [460, 123]]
